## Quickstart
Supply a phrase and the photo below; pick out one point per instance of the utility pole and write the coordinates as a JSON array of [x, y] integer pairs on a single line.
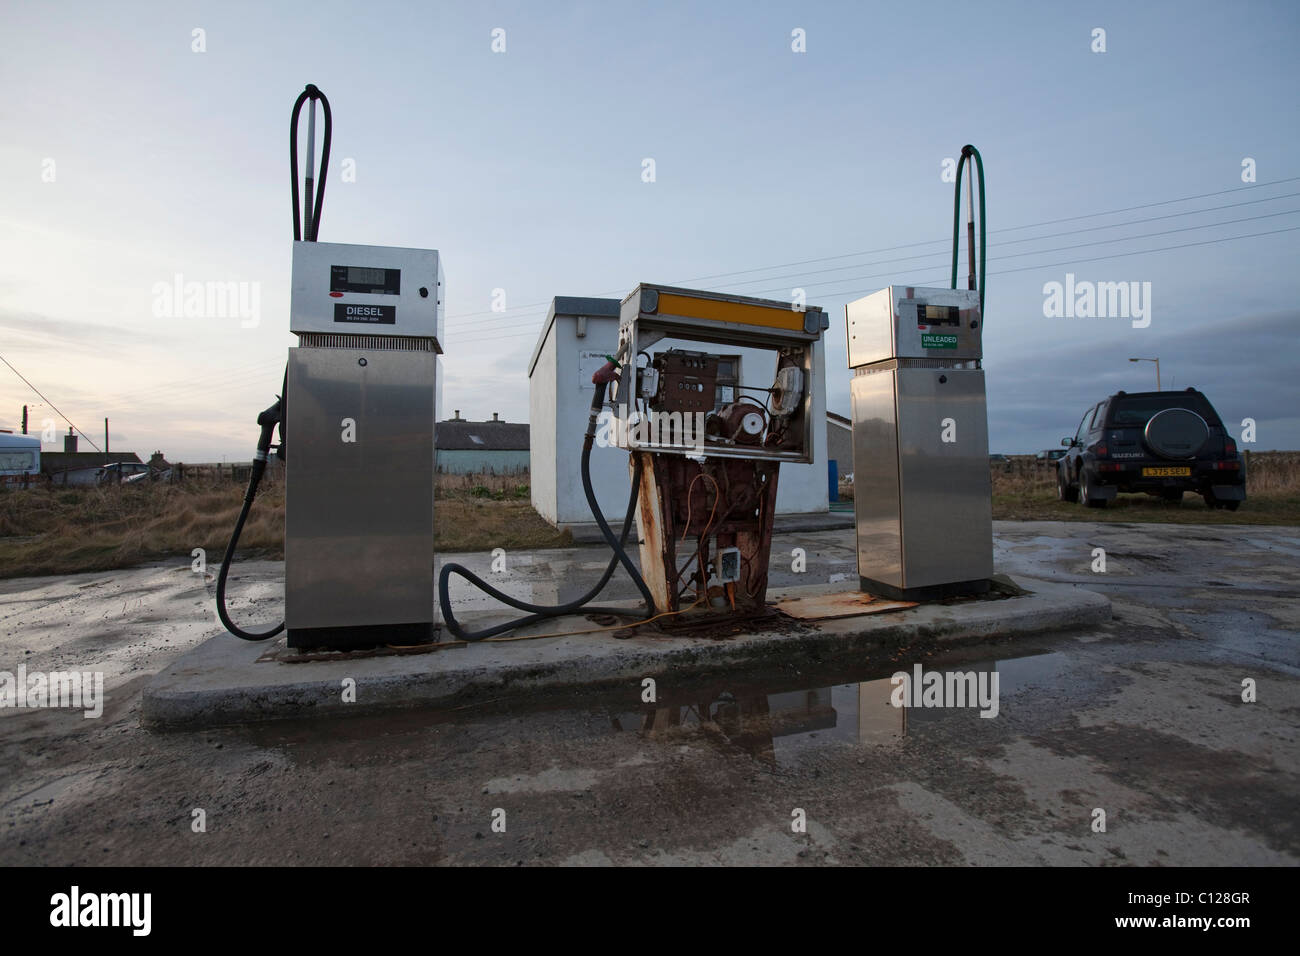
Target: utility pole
[[105, 436], [24, 419]]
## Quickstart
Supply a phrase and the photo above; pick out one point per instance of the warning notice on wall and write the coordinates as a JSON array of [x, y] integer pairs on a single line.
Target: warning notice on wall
[[588, 364]]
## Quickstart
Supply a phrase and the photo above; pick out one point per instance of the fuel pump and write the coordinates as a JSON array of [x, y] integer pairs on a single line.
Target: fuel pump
[[920, 430], [710, 419], [359, 400], [704, 444]]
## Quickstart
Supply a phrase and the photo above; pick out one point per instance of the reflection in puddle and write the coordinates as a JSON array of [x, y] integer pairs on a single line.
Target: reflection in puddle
[[774, 727], [772, 722]]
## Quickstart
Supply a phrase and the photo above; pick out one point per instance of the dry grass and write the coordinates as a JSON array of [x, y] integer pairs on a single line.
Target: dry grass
[[65, 530], [61, 530], [1024, 491]]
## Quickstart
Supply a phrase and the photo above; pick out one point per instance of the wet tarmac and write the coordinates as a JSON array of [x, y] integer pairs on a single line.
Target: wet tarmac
[[1142, 719]]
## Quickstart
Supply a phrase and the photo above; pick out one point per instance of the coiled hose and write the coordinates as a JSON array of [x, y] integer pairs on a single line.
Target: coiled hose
[[540, 612]]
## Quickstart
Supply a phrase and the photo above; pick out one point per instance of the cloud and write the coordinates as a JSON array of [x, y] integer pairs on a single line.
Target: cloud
[[34, 330], [1245, 365]]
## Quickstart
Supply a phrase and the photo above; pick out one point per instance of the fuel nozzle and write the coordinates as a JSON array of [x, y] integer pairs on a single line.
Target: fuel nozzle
[[267, 419]]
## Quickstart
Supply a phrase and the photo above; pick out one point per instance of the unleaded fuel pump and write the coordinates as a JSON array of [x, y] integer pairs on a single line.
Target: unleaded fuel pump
[[920, 430]]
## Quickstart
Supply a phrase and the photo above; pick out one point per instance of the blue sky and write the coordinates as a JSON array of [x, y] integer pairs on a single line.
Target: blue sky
[[524, 169]]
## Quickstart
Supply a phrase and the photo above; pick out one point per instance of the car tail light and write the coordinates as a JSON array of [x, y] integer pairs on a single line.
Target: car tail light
[[1110, 466], [1226, 465], [1099, 450], [1229, 446]]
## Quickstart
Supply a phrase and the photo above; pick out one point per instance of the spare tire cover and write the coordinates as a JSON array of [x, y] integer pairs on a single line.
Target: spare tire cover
[[1176, 433]]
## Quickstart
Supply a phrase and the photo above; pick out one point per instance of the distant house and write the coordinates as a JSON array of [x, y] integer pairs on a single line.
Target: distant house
[[471, 448], [81, 467]]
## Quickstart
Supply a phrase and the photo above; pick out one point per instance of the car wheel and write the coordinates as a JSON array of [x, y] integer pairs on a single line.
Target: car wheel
[[1172, 494], [1088, 500], [1230, 505], [1064, 491]]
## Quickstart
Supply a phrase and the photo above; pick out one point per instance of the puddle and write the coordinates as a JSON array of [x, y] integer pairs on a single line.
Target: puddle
[[776, 727], [774, 721]]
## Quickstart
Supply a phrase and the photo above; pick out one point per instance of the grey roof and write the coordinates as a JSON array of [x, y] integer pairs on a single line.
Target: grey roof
[[461, 435], [572, 305]]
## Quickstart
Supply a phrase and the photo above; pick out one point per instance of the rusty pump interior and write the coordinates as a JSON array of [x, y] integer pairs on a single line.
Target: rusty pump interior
[[705, 450]]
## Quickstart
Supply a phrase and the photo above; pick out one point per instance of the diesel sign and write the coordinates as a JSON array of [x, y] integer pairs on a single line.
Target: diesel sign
[[367, 314]]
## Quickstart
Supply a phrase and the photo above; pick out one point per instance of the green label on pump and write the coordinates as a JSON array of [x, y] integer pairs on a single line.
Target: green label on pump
[[938, 340]]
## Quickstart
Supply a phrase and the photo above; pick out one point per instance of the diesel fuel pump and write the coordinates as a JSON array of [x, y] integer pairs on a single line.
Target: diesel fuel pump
[[359, 401]]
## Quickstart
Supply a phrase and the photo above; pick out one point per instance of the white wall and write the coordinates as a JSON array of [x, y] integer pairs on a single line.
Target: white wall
[[541, 432], [560, 401]]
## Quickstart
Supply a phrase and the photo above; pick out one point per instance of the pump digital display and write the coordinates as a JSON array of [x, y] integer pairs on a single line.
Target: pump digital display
[[365, 280], [938, 315]]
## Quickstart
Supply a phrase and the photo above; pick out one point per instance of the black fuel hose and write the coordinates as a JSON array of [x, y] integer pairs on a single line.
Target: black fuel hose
[[313, 220], [617, 545], [277, 414], [267, 420]]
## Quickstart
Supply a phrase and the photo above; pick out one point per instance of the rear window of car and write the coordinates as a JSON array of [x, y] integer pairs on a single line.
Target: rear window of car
[[1133, 410]]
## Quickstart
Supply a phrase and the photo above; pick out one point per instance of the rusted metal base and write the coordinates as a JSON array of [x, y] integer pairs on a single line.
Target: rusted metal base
[[689, 510]]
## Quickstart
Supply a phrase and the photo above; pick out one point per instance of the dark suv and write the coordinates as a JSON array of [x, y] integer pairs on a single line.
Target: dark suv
[[1158, 443]]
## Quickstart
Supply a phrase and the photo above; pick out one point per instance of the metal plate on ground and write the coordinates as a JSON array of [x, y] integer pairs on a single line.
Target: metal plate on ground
[[825, 607]]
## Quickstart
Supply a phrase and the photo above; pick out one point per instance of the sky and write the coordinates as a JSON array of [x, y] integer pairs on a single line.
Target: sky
[[146, 141]]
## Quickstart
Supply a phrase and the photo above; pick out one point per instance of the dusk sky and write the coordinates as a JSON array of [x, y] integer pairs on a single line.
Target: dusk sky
[[130, 156]]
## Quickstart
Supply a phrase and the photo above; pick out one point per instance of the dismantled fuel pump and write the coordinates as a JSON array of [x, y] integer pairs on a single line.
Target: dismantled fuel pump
[[707, 443], [705, 448]]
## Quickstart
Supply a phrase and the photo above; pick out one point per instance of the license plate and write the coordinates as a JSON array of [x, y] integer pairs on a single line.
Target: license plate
[[1166, 472]]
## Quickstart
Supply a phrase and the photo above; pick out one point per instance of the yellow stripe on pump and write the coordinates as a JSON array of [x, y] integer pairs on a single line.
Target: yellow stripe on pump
[[740, 313]]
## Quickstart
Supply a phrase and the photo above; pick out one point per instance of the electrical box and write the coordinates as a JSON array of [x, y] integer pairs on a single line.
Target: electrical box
[[920, 443], [359, 412]]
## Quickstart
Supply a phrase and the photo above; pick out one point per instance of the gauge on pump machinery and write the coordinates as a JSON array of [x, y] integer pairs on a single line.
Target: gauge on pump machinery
[[687, 350]]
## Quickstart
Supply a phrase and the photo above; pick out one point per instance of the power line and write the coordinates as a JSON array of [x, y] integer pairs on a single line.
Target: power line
[[1074, 262], [1080, 245], [1053, 235], [211, 382], [912, 245], [50, 403], [943, 279], [832, 294]]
